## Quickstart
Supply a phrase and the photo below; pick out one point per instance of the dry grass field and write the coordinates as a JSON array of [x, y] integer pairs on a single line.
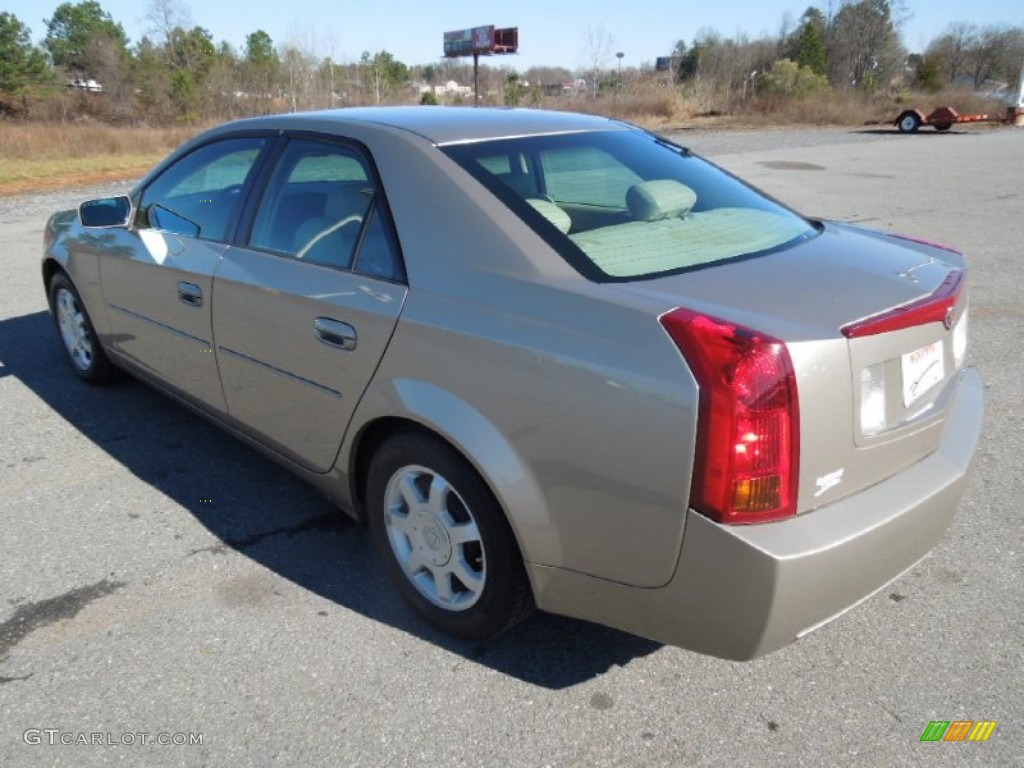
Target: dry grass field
[[37, 156], [41, 156], [666, 108]]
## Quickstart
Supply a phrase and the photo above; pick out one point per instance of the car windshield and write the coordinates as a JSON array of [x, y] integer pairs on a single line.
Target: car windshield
[[625, 205]]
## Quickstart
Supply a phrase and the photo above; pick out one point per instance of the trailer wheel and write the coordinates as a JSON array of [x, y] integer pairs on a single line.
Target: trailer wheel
[[943, 126], [908, 122]]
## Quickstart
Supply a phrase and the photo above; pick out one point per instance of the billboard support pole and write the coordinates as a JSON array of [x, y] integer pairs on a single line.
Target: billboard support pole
[[476, 79]]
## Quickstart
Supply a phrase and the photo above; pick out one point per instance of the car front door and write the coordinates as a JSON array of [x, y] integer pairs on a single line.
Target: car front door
[[159, 291], [304, 312]]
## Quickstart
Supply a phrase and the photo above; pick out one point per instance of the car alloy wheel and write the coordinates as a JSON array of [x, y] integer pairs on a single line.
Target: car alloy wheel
[[73, 330], [84, 351], [435, 538], [444, 538]]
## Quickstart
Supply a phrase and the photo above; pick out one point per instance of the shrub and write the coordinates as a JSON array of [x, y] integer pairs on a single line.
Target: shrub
[[787, 78]]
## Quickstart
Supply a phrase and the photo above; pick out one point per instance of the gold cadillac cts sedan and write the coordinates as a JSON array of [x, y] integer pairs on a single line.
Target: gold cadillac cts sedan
[[552, 360]]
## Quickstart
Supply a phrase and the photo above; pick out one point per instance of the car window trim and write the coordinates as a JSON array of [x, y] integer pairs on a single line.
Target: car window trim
[[376, 210]]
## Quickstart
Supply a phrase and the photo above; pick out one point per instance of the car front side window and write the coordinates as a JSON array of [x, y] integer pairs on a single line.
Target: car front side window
[[200, 195]]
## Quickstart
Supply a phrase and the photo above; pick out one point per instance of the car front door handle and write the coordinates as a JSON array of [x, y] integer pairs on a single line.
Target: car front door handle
[[335, 333], [191, 294]]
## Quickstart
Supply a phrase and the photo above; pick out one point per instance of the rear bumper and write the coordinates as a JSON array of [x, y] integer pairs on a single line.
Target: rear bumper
[[743, 591]]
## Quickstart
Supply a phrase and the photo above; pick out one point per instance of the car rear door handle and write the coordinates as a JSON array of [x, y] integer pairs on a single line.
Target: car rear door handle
[[335, 333], [191, 294]]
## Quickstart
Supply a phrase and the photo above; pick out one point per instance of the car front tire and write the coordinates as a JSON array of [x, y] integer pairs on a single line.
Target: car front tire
[[445, 539], [80, 342]]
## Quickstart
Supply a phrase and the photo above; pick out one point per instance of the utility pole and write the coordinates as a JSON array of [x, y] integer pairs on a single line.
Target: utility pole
[[618, 82]]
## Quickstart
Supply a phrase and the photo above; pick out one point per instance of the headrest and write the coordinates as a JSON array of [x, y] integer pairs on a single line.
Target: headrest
[[552, 213], [659, 199], [346, 201]]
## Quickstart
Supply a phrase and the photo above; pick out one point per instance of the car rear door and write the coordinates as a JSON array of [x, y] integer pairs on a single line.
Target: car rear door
[[158, 292], [305, 310]]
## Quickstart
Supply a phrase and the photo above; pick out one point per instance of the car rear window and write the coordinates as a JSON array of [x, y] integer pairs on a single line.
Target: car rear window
[[627, 205]]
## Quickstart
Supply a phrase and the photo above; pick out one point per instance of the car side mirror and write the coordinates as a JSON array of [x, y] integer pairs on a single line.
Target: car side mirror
[[106, 212]]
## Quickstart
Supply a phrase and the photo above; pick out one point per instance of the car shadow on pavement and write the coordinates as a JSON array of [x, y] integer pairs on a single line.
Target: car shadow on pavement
[[258, 509]]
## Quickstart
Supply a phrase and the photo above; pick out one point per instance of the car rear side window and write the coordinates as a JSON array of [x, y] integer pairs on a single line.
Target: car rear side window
[[200, 194], [626, 205], [321, 207]]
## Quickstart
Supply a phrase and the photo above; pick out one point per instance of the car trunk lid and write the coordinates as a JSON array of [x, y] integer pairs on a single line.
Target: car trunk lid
[[876, 327]]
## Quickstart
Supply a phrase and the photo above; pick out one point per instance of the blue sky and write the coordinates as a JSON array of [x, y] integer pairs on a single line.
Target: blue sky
[[550, 33]]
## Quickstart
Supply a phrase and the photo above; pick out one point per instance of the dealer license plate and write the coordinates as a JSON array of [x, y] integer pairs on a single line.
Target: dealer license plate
[[922, 369]]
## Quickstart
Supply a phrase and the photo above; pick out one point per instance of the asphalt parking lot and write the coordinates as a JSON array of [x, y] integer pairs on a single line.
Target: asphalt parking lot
[[159, 581]]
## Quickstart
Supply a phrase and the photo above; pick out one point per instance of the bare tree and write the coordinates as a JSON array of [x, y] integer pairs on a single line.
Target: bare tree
[[328, 66], [991, 57], [866, 51], [786, 25], [953, 48], [980, 53], [164, 16], [598, 45], [111, 65], [299, 68], [552, 77], [719, 71]]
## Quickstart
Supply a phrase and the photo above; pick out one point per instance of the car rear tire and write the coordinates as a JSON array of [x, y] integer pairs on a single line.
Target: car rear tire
[[80, 342], [445, 539]]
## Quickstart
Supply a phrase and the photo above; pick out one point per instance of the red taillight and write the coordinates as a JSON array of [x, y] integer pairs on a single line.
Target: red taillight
[[748, 430], [937, 307]]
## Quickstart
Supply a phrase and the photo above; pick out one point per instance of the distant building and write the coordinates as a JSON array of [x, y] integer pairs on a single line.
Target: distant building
[[451, 88], [81, 84]]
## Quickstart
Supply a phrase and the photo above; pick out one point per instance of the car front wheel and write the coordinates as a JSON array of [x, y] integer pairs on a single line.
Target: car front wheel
[[77, 333], [445, 539]]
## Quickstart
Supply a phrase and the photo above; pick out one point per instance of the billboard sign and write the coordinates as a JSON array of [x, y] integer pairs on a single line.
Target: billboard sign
[[506, 40], [463, 42]]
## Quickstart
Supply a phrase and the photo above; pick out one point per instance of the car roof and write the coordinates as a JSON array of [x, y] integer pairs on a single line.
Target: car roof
[[441, 125]]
